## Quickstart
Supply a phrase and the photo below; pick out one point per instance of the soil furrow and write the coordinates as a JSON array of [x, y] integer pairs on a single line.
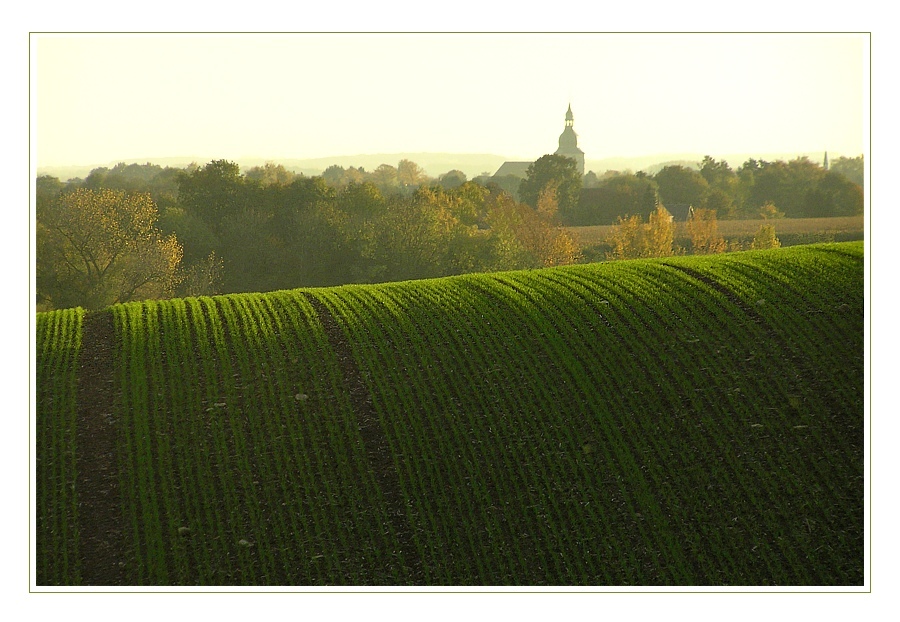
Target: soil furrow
[[375, 441], [100, 520]]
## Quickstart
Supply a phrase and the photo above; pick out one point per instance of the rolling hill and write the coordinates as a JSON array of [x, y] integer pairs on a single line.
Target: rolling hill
[[688, 421]]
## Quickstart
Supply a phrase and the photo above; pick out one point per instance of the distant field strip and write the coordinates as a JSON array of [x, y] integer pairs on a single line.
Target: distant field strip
[[842, 225], [682, 421]]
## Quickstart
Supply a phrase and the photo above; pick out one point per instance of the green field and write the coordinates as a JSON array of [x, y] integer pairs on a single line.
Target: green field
[[685, 421]]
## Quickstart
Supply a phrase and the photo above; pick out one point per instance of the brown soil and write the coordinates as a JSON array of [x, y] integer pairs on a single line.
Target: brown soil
[[100, 522]]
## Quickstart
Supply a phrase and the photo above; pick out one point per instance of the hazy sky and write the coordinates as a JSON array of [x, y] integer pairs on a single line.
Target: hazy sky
[[103, 98]]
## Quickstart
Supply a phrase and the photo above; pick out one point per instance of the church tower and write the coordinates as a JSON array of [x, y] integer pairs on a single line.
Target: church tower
[[568, 142]]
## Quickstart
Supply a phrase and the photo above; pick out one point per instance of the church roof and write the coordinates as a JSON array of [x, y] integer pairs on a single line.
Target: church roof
[[516, 169], [681, 212]]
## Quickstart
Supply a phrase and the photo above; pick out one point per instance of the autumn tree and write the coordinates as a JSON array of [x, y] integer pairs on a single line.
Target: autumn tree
[[411, 235], [525, 237], [96, 248], [769, 210], [765, 238], [703, 229], [625, 239], [659, 234], [633, 239]]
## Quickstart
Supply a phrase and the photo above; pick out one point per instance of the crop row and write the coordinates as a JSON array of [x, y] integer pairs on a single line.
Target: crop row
[[683, 421], [676, 386], [58, 344], [242, 464]]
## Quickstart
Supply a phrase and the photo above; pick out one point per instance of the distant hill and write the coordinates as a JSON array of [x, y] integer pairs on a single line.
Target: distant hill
[[434, 164]]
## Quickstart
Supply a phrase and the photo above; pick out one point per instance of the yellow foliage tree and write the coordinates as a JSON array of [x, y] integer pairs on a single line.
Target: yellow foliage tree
[[765, 238], [703, 229], [659, 234], [529, 235], [96, 248], [768, 211], [634, 239]]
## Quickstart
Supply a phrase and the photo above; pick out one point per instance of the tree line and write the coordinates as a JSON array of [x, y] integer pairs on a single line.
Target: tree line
[[799, 188], [142, 231]]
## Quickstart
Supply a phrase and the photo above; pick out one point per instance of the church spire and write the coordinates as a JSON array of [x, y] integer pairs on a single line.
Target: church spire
[[568, 142]]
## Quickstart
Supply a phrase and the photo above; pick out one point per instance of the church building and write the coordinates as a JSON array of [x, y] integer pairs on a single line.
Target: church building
[[568, 146], [568, 142]]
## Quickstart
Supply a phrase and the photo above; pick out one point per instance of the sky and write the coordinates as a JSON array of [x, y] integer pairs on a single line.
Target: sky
[[102, 98]]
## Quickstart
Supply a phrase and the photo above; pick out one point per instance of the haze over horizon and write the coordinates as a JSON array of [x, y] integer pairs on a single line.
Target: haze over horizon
[[106, 98]]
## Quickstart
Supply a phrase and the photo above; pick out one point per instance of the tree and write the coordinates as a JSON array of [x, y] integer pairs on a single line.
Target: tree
[[47, 188], [525, 237], [385, 177], [851, 168], [213, 192], [704, 232], [765, 238], [617, 195], [270, 174], [96, 248], [334, 175], [410, 174], [552, 169], [786, 184], [452, 179], [835, 195], [659, 234], [625, 238], [678, 184], [718, 174], [719, 202], [411, 237], [202, 278], [768, 210], [633, 239], [723, 187]]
